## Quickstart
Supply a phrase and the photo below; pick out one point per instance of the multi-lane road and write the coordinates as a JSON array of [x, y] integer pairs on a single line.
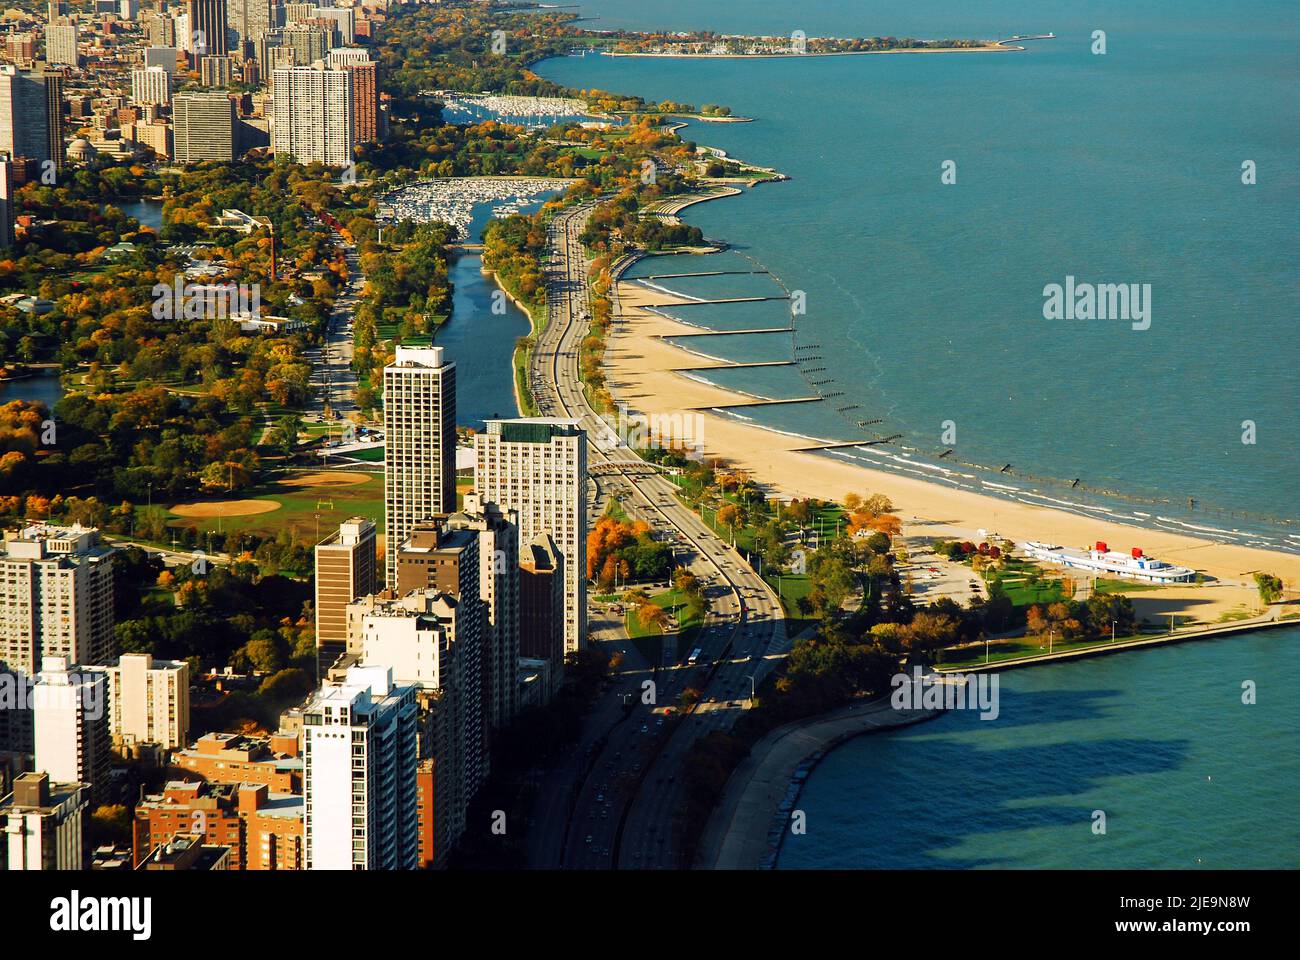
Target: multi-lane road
[[616, 802]]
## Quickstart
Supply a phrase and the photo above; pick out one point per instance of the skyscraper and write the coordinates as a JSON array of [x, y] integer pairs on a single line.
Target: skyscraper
[[345, 570], [216, 71], [419, 441], [538, 466], [365, 90], [207, 26], [7, 211], [359, 774], [164, 57], [56, 597], [313, 115], [250, 18], [203, 126], [31, 115], [442, 558]]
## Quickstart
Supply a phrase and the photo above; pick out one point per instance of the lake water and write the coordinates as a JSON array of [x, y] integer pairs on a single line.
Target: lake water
[[927, 299], [1187, 775]]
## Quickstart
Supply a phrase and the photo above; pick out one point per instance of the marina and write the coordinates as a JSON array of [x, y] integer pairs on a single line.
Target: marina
[[456, 202], [533, 113]]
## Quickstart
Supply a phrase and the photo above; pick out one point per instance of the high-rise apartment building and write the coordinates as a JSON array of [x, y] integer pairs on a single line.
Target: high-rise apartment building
[[498, 538], [345, 570], [148, 702], [365, 90], [419, 442], [249, 19], [216, 71], [538, 467], [360, 774], [313, 115], [70, 722], [541, 604], [203, 127], [151, 85], [56, 596], [309, 42], [431, 640], [41, 825], [61, 44]]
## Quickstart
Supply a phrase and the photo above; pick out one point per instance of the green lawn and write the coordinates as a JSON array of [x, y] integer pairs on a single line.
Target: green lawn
[[298, 508], [649, 640], [792, 588], [1016, 647]]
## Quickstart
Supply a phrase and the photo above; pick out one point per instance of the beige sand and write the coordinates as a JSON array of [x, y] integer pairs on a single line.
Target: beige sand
[[639, 371], [328, 479], [224, 508]]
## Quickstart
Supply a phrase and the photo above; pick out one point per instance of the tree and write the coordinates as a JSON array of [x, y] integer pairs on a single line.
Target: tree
[[652, 616], [1270, 587], [878, 543]]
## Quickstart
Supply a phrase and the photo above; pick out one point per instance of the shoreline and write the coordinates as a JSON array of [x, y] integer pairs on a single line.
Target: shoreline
[[999, 47], [748, 823], [773, 775], [643, 370]]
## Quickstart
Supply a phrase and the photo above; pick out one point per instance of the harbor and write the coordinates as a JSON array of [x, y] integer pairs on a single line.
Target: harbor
[[460, 201]]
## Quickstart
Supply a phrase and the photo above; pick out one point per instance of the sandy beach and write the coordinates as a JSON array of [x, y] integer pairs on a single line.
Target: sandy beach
[[640, 370]]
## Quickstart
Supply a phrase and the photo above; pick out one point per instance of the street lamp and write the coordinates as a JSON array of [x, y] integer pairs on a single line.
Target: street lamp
[[752, 694], [1112, 630]]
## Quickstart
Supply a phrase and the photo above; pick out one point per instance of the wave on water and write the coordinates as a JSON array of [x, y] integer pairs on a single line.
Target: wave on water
[[642, 281]]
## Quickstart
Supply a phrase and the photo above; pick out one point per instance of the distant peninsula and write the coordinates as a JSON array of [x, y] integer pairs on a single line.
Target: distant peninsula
[[704, 45]]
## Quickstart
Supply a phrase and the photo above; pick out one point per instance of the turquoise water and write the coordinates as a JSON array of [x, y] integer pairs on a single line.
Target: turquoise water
[[927, 299], [1188, 776]]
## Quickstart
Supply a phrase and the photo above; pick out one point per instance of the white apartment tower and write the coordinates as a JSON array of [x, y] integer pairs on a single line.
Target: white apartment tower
[[359, 774], [151, 85], [419, 443], [148, 701], [56, 596], [313, 115], [433, 641], [538, 467], [70, 720]]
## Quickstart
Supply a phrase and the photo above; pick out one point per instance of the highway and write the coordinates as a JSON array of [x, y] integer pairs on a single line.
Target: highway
[[626, 792]]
